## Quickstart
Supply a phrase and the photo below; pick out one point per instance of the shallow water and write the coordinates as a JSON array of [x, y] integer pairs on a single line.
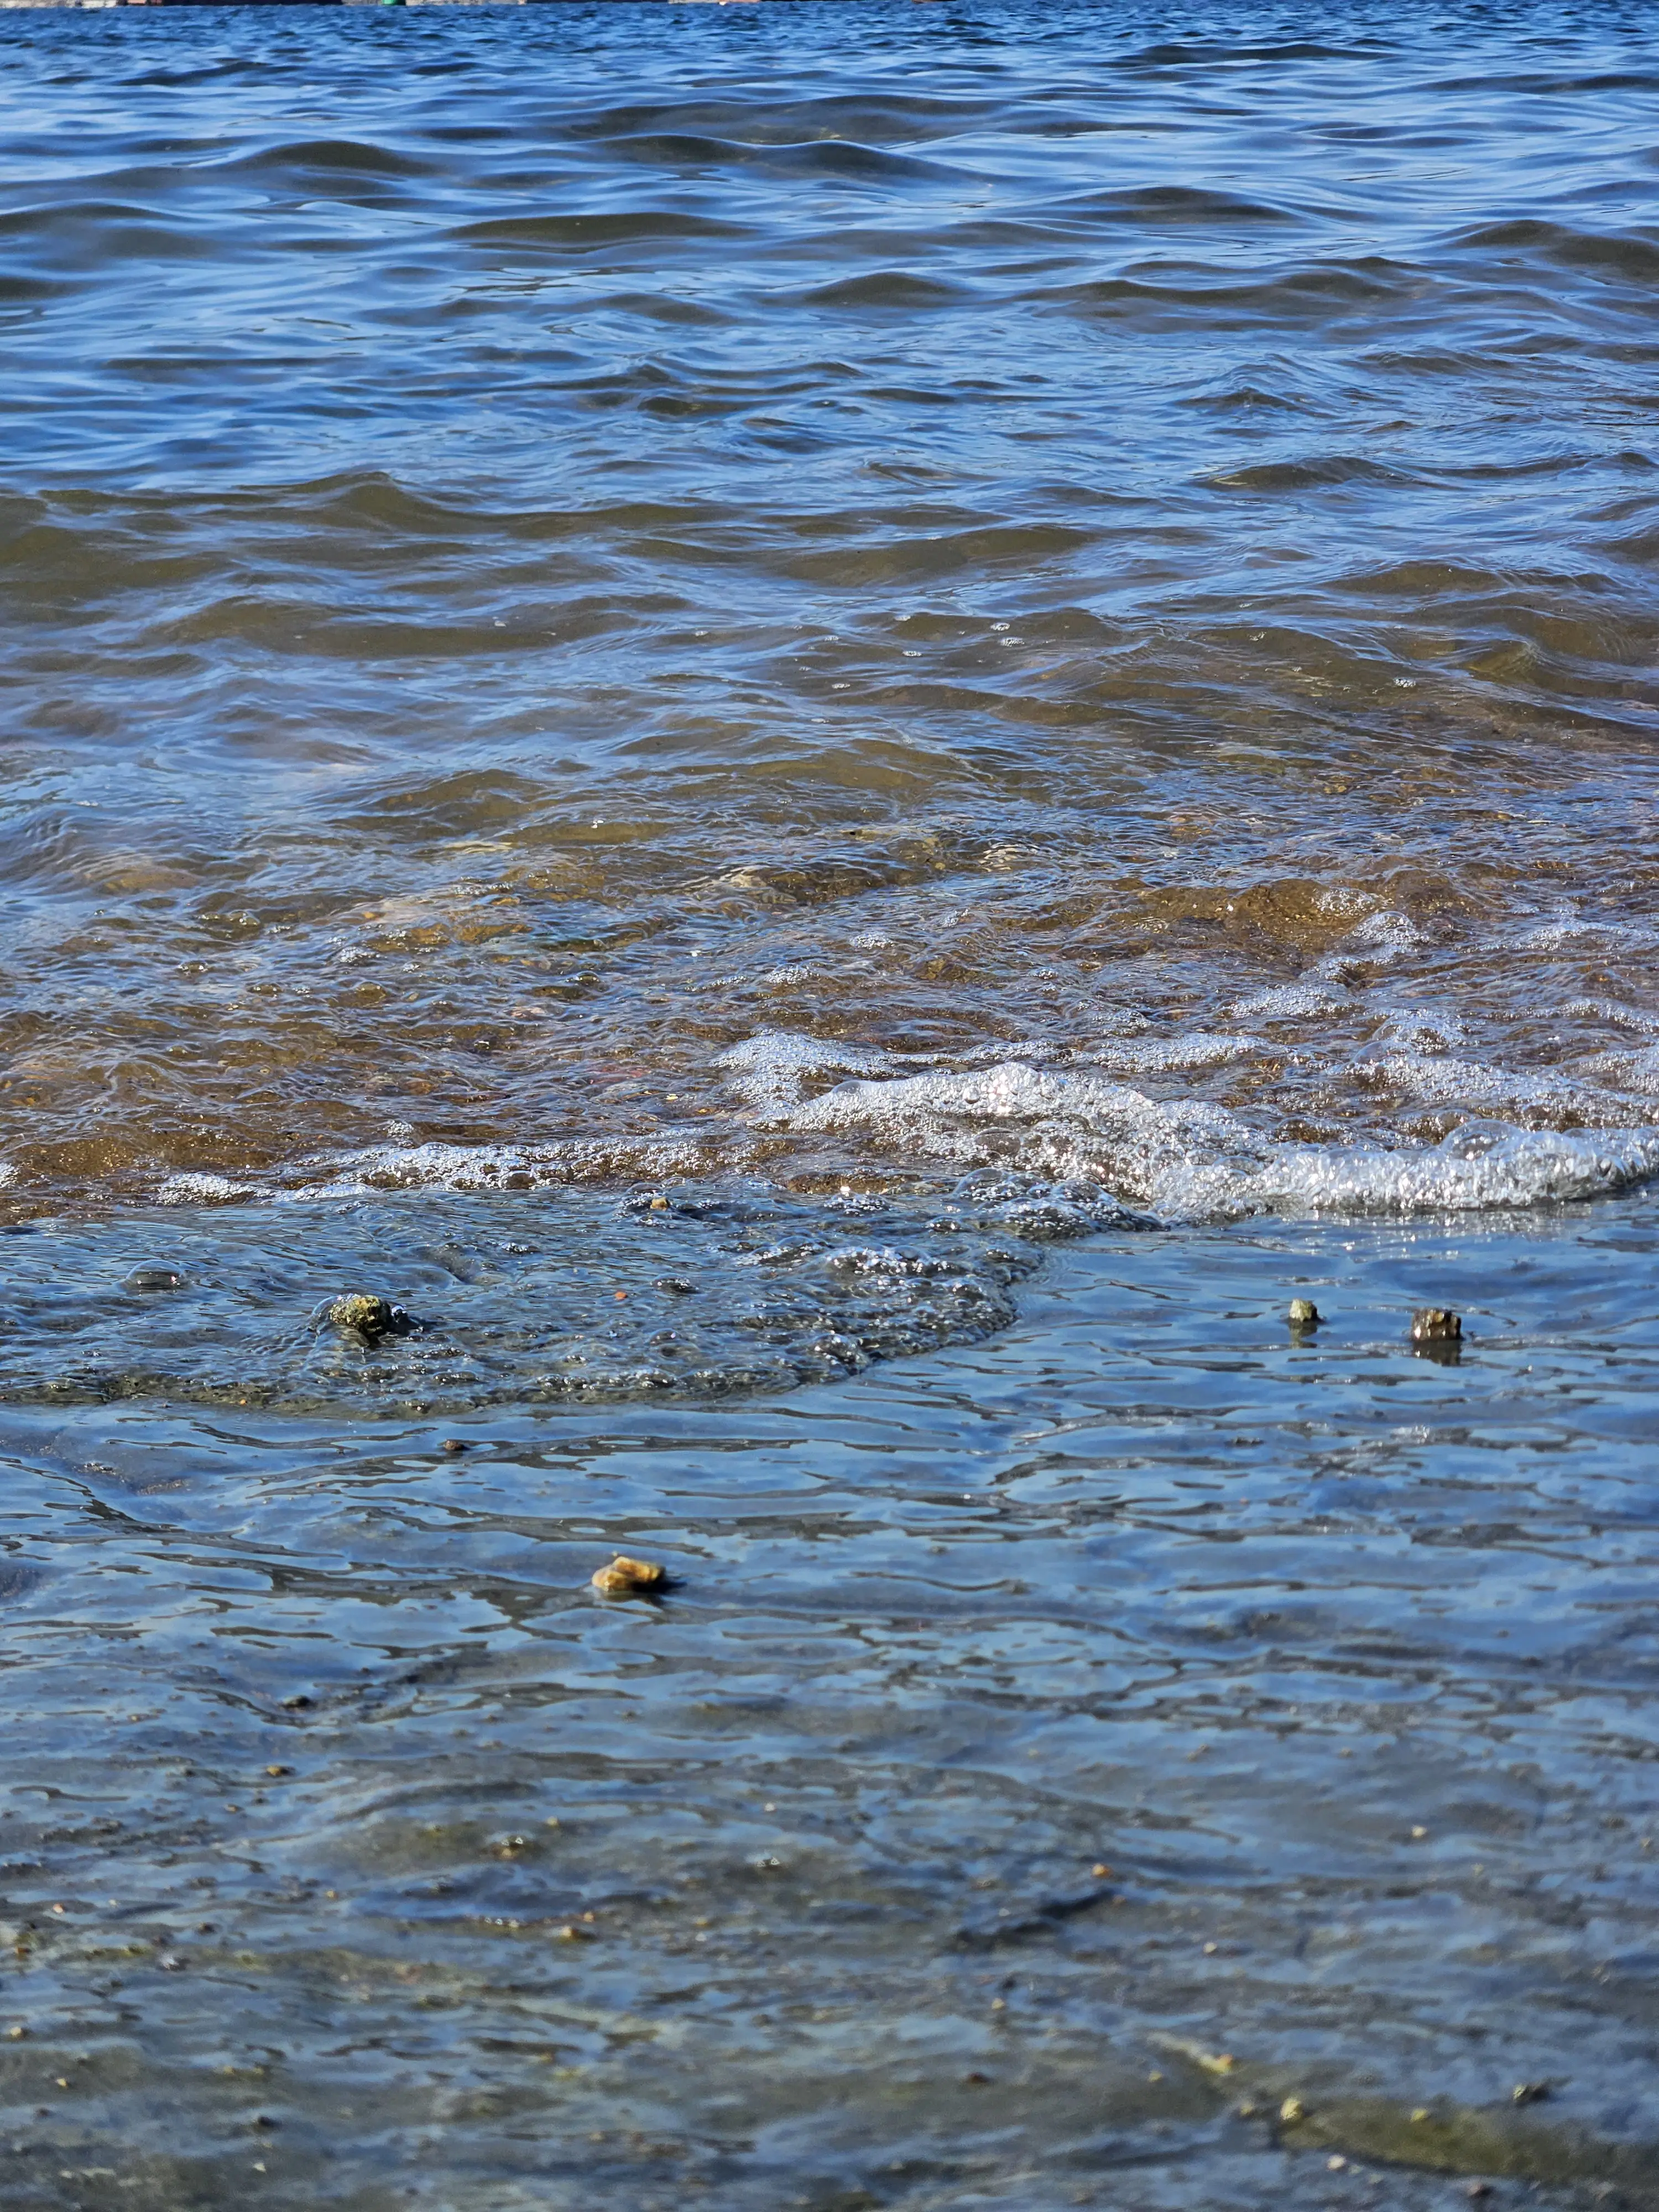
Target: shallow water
[[841, 732]]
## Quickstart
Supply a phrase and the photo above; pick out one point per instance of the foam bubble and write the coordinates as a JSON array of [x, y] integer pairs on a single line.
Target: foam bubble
[[1468, 1083], [1466, 1173], [1423, 1029], [1190, 1161], [1201, 1048], [500, 1167], [195, 1189], [1291, 1002], [1632, 1071], [1044, 1121], [1386, 932], [771, 1069]]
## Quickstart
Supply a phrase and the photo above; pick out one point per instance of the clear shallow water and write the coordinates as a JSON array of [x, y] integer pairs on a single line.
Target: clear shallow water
[[841, 731]]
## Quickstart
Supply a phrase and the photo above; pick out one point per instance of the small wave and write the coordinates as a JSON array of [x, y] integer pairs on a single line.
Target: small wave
[[1192, 1161], [1154, 206], [498, 1167], [1630, 1071], [888, 290], [771, 1069], [576, 234], [308, 159], [844, 161], [1291, 1002], [199, 1189], [1318, 473], [1601, 253], [1149, 1055]]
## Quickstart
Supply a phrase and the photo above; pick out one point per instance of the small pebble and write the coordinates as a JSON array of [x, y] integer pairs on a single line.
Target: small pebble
[[1335, 2165], [1436, 1324], [1303, 1314], [452, 1444], [1530, 2092], [626, 1578], [279, 1769], [1478, 2189], [1292, 2109]]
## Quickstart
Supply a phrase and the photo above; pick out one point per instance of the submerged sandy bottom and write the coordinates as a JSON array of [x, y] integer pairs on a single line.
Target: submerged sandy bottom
[[1030, 1723]]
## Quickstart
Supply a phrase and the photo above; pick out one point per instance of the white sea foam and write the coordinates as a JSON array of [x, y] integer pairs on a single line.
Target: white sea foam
[[1420, 1028], [194, 1190], [1293, 1002], [771, 1068], [1522, 1167], [1044, 1121], [1192, 1161], [1198, 1049], [1566, 928], [500, 1167], [1630, 1071], [1386, 932], [1610, 1010]]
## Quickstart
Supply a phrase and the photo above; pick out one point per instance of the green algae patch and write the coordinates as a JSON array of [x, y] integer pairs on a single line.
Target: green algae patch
[[1471, 2140], [1476, 2140]]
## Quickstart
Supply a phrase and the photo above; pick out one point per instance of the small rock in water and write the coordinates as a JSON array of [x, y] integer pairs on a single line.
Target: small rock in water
[[1435, 1325], [1303, 1314], [1530, 2092], [154, 1279], [626, 1578], [452, 1444], [1292, 2110], [371, 1316]]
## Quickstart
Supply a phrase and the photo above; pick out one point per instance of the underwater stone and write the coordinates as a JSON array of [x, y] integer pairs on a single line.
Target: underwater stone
[[370, 1315], [1436, 1324], [1303, 1314], [626, 1578]]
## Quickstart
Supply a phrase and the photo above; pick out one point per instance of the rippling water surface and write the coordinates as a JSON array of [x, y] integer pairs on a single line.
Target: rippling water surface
[[840, 731]]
